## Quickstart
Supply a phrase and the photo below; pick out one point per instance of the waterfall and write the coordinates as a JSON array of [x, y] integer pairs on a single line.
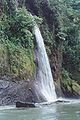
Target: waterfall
[[45, 84]]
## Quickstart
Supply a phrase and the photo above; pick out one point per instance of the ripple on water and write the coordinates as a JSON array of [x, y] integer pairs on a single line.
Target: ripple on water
[[55, 111]]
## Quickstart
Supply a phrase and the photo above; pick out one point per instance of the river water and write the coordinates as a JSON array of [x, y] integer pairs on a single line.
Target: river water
[[55, 111]]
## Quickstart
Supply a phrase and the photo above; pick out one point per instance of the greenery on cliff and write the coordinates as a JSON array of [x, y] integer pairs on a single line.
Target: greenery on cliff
[[61, 33], [16, 42], [71, 50], [67, 37], [71, 46]]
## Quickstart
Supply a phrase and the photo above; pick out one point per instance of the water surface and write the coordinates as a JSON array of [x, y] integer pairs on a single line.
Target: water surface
[[56, 111]]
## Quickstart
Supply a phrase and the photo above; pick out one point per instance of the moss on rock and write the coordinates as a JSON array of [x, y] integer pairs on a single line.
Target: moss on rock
[[16, 61], [70, 87]]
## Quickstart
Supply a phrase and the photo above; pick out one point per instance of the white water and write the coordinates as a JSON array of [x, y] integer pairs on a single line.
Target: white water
[[45, 85]]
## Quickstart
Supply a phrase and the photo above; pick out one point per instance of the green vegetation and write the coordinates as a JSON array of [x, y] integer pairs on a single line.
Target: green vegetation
[[61, 32], [68, 85], [71, 51], [68, 17], [16, 42], [67, 23]]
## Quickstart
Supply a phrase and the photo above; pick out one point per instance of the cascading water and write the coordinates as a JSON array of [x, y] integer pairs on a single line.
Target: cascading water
[[45, 84]]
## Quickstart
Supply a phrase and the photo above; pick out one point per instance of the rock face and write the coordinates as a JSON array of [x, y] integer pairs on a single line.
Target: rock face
[[12, 91]]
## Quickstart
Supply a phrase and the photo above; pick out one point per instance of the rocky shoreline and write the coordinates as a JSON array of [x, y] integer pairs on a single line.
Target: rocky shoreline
[[12, 91]]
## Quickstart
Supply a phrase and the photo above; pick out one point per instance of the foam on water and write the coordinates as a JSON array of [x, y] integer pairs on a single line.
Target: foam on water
[[7, 107]]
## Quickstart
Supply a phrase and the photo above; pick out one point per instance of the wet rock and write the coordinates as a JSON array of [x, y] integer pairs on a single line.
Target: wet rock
[[27, 104]]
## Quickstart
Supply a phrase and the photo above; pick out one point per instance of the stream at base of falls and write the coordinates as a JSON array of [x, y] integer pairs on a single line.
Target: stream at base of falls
[[56, 111]]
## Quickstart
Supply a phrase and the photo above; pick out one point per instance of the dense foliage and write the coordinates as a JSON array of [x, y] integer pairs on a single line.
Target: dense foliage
[[67, 22], [61, 32], [16, 41], [71, 53], [68, 15]]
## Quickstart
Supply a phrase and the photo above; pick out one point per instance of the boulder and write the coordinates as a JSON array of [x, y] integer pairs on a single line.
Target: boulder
[[27, 104]]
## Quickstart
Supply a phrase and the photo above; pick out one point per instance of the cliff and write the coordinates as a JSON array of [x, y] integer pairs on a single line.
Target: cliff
[[62, 42], [18, 65]]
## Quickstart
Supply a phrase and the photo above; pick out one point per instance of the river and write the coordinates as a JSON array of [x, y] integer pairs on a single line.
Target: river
[[55, 111]]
